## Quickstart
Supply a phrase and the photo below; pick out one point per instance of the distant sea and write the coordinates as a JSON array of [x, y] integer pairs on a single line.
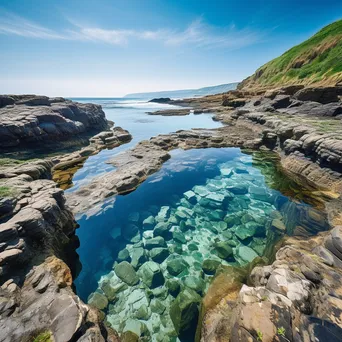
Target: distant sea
[[131, 114]]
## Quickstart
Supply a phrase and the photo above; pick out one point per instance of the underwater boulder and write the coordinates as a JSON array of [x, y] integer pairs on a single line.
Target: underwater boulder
[[184, 312], [190, 196], [159, 254], [155, 242], [126, 273], [173, 286], [195, 283], [151, 274], [138, 256], [149, 223], [176, 266], [210, 266], [123, 255], [245, 254], [162, 229], [98, 300], [223, 249]]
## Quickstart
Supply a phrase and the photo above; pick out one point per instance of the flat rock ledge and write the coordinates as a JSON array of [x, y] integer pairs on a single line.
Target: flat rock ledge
[[28, 119], [135, 165]]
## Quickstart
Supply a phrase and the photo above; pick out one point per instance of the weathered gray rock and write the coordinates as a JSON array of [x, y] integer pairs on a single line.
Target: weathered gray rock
[[173, 286], [162, 229], [35, 118]]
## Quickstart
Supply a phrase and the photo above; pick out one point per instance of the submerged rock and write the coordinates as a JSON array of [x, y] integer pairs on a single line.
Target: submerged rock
[[179, 237], [210, 266], [123, 255], [176, 266], [162, 229], [190, 196], [138, 257], [195, 283], [143, 313], [159, 254], [245, 253], [157, 306], [137, 328], [184, 312], [238, 189], [155, 242], [149, 223], [173, 287], [151, 274], [223, 249], [126, 273], [98, 300]]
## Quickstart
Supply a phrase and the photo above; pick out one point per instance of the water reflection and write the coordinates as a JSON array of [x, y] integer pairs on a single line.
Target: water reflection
[[157, 248]]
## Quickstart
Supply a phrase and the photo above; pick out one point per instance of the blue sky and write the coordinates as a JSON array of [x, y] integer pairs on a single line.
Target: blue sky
[[113, 47]]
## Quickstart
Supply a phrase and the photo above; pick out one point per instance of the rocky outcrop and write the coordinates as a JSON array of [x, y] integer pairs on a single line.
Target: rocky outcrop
[[28, 119], [294, 299], [45, 306], [161, 100], [37, 239]]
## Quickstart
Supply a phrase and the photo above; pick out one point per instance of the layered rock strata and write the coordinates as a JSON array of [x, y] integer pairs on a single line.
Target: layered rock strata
[[29, 118]]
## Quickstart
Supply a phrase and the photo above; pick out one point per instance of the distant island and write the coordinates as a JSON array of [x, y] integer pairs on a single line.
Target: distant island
[[214, 90]]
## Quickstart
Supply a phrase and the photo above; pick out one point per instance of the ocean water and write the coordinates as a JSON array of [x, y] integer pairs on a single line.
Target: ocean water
[[131, 114], [159, 246]]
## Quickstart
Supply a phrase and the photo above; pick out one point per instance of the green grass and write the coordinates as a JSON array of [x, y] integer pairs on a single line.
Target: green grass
[[43, 337], [10, 161], [6, 191], [318, 58]]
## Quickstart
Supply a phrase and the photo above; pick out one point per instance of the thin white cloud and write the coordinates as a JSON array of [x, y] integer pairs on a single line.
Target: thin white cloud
[[197, 34]]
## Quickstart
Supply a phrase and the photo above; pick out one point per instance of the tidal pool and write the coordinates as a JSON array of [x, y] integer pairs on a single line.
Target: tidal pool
[[149, 256]]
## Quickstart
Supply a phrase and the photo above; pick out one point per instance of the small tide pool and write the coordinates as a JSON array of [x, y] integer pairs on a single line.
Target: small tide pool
[[149, 256]]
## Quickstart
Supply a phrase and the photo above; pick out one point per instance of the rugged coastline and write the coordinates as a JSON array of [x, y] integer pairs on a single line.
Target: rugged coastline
[[37, 231], [249, 126], [289, 291]]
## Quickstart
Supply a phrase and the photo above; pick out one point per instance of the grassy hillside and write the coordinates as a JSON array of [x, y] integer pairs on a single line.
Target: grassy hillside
[[318, 60]]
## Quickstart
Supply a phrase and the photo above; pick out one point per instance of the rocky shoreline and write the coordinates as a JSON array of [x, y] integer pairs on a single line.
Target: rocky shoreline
[[297, 297], [37, 230], [30, 119]]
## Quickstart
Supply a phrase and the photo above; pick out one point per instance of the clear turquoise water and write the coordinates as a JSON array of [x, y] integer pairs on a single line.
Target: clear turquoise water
[[131, 114], [233, 206]]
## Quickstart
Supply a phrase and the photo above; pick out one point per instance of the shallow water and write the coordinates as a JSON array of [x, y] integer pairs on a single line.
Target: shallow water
[[207, 204], [131, 114]]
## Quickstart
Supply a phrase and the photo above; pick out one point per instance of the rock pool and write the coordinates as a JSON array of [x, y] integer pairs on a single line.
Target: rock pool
[[149, 256]]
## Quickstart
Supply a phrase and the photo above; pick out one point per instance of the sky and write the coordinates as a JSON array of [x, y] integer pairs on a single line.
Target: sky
[[107, 48]]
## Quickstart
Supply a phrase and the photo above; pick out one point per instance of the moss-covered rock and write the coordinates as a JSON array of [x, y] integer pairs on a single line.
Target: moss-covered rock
[[184, 312]]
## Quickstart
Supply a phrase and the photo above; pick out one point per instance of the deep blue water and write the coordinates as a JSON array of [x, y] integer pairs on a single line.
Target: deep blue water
[[131, 114]]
